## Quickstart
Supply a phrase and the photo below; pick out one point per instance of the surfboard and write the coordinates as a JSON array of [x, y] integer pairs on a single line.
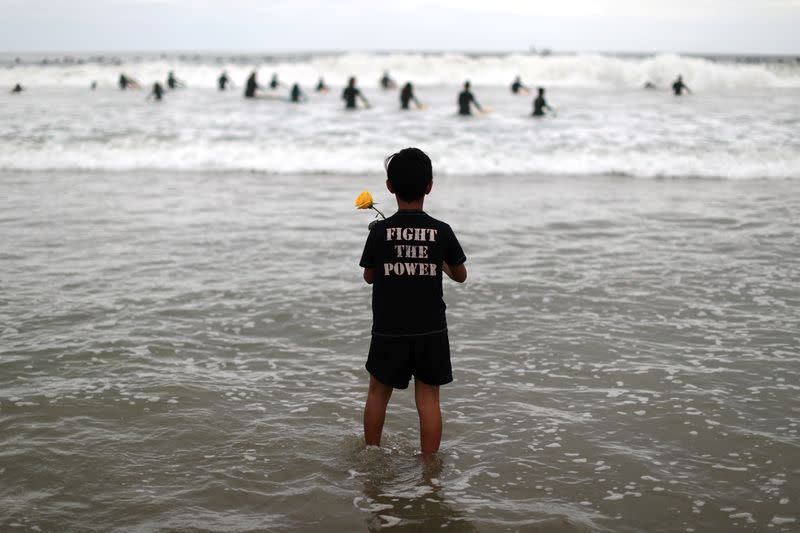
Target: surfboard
[[268, 96]]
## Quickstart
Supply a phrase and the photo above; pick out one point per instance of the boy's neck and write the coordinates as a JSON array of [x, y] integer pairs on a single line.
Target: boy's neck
[[416, 205]]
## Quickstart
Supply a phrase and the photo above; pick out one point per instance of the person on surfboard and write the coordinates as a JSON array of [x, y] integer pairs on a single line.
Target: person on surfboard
[[465, 99], [321, 87], [173, 82], [678, 87], [407, 95], [517, 87], [251, 86], [387, 82], [126, 82], [296, 95], [539, 104], [223, 81], [274, 83], [157, 93], [351, 93]]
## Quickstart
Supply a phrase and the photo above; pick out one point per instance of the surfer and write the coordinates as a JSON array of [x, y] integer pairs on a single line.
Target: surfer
[[649, 85], [157, 93], [387, 82], [321, 87], [17, 89], [350, 94], [93, 85], [539, 104], [173, 82], [296, 95], [274, 83], [465, 98], [517, 87], [223, 81], [407, 95], [678, 87], [126, 82], [251, 86]]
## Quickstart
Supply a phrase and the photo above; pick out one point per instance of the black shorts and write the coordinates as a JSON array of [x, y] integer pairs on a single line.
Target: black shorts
[[393, 360]]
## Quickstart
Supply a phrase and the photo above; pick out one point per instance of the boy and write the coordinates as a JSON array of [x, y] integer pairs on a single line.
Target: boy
[[403, 260]]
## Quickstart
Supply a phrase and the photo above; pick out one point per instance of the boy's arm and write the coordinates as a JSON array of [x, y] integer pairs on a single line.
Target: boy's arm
[[457, 273], [369, 275]]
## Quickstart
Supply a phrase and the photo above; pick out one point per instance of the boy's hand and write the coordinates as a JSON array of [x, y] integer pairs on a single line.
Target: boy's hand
[[369, 275], [457, 273]]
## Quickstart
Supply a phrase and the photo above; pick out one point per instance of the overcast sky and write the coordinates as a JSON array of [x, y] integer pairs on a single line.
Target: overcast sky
[[723, 26]]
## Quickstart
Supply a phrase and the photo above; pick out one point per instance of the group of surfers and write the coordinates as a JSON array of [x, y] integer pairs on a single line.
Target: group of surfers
[[352, 94]]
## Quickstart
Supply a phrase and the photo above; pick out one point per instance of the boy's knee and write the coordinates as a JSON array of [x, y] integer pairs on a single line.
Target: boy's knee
[[427, 396], [376, 388]]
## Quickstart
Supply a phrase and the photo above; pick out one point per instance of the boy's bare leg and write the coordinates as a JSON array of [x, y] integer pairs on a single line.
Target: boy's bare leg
[[375, 411], [430, 416]]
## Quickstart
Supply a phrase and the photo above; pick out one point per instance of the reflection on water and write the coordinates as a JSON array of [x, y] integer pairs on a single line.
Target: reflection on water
[[186, 351], [409, 503]]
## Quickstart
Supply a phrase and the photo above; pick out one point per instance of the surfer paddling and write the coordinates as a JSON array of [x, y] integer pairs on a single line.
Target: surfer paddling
[[404, 258]]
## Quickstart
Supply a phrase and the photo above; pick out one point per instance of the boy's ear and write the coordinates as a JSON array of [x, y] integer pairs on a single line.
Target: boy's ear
[[389, 186], [429, 187]]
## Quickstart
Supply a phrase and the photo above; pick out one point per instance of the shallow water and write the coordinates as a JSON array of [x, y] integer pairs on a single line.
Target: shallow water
[[185, 352]]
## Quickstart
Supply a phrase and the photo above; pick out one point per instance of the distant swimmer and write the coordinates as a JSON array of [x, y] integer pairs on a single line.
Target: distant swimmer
[[173, 82], [296, 95], [678, 87], [157, 93], [407, 95], [321, 87], [223, 81], [93, 85], [126, 82], [350, 94], [539, 104], [387, 82], [465, 98], [517, 87], [17, 89], [649, 85], [274, 83], [251, 86]]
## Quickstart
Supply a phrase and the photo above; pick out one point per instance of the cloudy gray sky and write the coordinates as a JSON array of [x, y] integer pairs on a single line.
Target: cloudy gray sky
[[723, 26]]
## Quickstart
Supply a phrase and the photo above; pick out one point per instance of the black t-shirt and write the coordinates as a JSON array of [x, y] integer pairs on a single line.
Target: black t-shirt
[[349, 94], [407, 250]]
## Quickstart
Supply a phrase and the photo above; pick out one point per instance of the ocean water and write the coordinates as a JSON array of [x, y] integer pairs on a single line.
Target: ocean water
[[185, 351], [741, 122], [183, 324]]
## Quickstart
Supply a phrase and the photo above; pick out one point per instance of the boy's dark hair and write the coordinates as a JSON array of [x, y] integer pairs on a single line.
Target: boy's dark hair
[[409, 171]]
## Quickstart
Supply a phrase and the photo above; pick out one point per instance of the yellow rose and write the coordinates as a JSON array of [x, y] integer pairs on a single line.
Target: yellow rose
[[364, 200]]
